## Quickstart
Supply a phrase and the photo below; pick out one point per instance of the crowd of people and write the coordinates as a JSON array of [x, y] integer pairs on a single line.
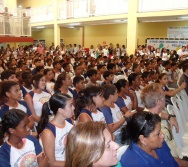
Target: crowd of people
[[64, 106]]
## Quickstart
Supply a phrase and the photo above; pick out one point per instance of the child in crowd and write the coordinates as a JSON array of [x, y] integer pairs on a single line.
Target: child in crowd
[[78, 83], [108, 78], [36, 98], [49, 76], [53, 134], [88, 100], [20, 148]]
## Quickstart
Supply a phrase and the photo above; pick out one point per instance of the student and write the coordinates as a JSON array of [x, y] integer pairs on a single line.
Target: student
[[112, 68], [90, 145], [127, 99], [78, 83], [49, 75], [134, 83], [113, 115], [63, 83], [53, 134], [145, 79], [37, 62], [66, 68], [89, 99], [8, 75], [56, 69], [92, 75], [27, 84], [11, 91], [20, 148], [108, 78], [36, 98], [163, 79]]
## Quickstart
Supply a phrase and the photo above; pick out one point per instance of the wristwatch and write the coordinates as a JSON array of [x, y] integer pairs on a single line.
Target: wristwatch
[[169, 116]]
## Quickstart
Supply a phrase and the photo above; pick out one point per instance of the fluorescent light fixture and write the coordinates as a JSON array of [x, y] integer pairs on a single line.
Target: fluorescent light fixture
[[74, 24], [120, 21], [184, 17], [40, 27], [70, 27], [20, 6]]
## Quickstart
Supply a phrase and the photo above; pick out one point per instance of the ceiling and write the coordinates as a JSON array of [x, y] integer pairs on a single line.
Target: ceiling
[[115, 21]]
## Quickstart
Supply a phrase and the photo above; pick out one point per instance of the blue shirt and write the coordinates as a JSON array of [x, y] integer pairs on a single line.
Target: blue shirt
[[134, 156]]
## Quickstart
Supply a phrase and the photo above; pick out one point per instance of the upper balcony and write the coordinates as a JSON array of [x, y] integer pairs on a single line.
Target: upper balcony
[[15, 26], [90, 8], [161, 5]]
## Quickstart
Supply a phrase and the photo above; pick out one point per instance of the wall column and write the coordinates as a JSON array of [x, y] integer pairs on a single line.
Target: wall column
[[132, 26], [56, 26]]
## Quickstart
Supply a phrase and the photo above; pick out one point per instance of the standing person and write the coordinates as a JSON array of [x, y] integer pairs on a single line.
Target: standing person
[[25, 24], [20, 148], [6, 20], [99, 149], [53, 134]]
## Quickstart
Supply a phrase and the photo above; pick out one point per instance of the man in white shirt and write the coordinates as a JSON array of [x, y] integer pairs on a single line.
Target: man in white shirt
[[182, 53]]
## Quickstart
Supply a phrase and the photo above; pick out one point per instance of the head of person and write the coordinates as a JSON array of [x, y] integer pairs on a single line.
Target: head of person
[[8, 75], [122, 85], [63, 79], [110, 93], [10, 89], [66, 67], [49, 61], [78, 82], [39, 81], [26, 78], [40, 70], [99, 149], [163, 79], [57, 65], [153, 96], [146, 76], [108, 75], [185, 68], [14, 123], [48, 74], [167, 65], [37, 62], [111, 67], [92, 74], [90, 97], [136, 68], [59, 104], [144, 129], [134, 80], [183, 48], [77, 70]]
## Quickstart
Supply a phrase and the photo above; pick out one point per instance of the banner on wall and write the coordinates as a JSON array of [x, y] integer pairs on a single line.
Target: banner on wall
[[171, 44], [177, 32]]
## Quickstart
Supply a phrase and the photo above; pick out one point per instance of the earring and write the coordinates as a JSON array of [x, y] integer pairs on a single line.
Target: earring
[[144, 144]]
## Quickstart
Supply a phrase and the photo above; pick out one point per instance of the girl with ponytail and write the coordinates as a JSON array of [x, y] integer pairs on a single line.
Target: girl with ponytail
[[52, 135]]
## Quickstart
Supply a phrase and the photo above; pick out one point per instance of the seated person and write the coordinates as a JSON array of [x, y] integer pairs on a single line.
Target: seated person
[[99, 149], [147, 146], [108, 78]]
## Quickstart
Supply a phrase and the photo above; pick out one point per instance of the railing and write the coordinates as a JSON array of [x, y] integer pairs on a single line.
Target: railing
[[15, 26], [161, 5], [42, 14], [88, 8]]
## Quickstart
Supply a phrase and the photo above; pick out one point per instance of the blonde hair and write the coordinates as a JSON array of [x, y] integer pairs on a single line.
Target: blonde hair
[[150, 94], [85, 144]]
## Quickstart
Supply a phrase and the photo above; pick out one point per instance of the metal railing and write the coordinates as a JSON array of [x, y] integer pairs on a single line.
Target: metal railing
[[161, 5], [15, 26]]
